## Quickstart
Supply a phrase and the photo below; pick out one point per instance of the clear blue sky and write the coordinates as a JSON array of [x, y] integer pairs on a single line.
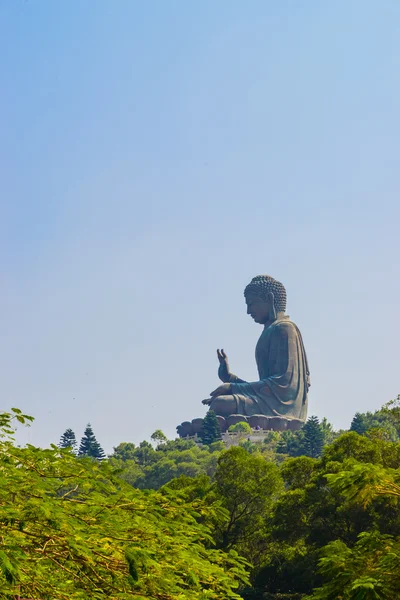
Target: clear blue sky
[[155, 156]]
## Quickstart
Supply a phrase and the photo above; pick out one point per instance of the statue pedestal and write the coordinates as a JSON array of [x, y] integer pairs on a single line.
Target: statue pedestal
[[256, 422]]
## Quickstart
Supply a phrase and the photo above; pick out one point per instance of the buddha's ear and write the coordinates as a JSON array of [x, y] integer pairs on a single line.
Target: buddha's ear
[[272, 309]]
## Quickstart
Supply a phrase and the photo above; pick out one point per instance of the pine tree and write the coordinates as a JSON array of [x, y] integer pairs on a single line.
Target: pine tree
[[281, 447], [89, 446], [358, 424], [313, 437], [68, 440], [210, 431]]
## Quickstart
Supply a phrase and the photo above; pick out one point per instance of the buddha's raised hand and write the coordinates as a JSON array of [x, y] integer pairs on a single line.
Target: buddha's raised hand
[[223, 371]]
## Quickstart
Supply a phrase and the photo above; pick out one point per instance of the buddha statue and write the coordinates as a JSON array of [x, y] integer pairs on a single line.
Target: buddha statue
[[284, 377]]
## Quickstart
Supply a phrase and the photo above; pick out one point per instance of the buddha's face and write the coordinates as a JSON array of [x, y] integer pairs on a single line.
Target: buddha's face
[[258, 308]]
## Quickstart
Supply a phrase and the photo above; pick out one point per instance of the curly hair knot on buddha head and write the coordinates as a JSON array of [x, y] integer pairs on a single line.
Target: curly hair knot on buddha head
[[262, 285]]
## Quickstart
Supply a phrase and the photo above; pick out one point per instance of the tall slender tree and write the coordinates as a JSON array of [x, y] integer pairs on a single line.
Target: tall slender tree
[[68, 440], [313, 437], [211, 431], [89, 446]]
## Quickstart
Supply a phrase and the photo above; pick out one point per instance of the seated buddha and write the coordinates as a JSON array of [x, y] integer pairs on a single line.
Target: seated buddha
[[284, 377]]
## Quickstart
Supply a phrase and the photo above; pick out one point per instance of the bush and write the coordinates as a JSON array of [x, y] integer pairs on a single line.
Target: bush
[[240, 427]]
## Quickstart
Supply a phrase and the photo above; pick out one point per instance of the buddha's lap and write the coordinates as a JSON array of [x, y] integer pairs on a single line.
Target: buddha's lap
[[229, 405]]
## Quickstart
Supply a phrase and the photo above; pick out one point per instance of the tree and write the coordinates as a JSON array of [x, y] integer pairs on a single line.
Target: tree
[[386, 418], [391, 410], [145, 454], [329, 433], [313, 437], [211, 431], [241, 427], [291, 443], [297, 472], [68, 440], [124, 451], [89, 446], [353, 445], [317, 510], [358, 424], [167, 465], [177, 444], [71, 529], [248, 445], [159, 437], [248, 485], [368, 569], [282, 446]]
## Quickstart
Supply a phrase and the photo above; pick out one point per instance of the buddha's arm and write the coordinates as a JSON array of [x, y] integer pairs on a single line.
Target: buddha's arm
[[229, 377], [235, 379], [223, 371]]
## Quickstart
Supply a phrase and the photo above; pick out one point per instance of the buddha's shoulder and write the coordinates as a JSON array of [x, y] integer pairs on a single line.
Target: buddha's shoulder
[[283, 322], [284, 326]]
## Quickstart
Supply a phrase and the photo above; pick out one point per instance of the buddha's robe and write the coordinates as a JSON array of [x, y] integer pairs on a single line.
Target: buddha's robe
[[283, 371]]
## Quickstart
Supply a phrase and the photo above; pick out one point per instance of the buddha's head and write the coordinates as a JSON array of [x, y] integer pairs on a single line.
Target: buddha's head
[[265, 298]]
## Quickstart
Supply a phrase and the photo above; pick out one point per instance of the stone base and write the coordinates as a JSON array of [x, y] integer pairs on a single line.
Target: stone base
[[257, 422]]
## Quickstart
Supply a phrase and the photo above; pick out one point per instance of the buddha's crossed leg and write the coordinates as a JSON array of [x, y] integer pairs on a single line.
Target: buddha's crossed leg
[[231, 405]]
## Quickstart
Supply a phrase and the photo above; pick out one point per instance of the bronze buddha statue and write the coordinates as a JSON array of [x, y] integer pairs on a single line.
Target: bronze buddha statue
[[284, 377]]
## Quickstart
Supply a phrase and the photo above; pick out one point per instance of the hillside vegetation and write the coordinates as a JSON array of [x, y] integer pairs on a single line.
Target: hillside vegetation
[[308, 515]]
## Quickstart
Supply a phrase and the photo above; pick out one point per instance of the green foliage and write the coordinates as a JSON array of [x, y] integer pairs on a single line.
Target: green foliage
[[313, 437], [89, 446], [7, 421], [291, 443], [297, 472], [271, 437], [239, 498], [68, 440], [217, 446], [124, 451], [286, 574], [287, 521], [248, 485], [71, 529], [363, 449], [359, 423], [145, 454], [242, 427], [330, 435], [391, 410], [342, 498], [308, 441], [315, 513], [249, 446], [178, 444], [158, 437], [211, 431], [146, 468], [283, 538], [384, 419], [370, 570]]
